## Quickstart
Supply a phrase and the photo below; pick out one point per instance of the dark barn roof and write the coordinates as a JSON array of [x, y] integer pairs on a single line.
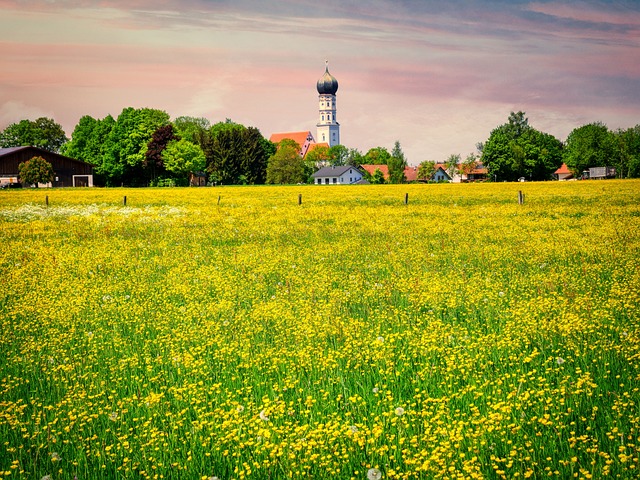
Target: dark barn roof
[[64, 167]]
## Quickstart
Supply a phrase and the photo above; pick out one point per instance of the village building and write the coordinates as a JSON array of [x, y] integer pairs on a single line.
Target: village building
[[69, 172], [563, 173], [342, 175]]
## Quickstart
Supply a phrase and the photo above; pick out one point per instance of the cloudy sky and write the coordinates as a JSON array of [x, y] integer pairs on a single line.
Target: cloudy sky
[[437, 75]]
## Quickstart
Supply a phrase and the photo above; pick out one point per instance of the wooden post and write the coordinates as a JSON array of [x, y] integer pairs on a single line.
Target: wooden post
[[406, 199], [46, 200], [124, 201], [218, 199], [299, 199], [520, 197]]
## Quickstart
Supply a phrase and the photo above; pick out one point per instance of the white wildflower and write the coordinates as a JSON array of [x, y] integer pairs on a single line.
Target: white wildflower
[[399, 411], [374, 474], [560, 360], [263, 416]]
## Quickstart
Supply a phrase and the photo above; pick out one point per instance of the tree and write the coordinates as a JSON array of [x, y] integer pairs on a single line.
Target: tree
[[154, 160], [34, 171], [628, 162], [354, 158], [426, 170], [592, 145], [192, 128], [468, 165], [286, 165], [318, 157], [451, 164], [516, 150], [237, 154], [397, 163], [181, 157], [377, 178], [44, 133], [338, 155], [89, 143], [377, 156], [127, 143]]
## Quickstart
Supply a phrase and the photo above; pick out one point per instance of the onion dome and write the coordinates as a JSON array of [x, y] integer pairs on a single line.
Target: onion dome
[[327, 85]]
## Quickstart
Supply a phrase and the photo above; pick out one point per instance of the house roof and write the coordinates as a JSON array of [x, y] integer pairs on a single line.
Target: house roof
[[563, 170], [299, 137], [372, 168], [411, 174], [313, 146], [333, 171], [8, 150]]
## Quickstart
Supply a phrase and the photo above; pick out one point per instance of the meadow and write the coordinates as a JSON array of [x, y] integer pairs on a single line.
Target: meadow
[[231, 333]]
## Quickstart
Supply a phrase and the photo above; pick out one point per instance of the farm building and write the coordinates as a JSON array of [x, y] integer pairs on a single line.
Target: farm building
[[69, 172], [343, 175], [563, 173]]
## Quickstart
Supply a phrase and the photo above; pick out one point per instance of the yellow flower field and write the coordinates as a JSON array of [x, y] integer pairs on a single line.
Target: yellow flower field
[[232, 333]]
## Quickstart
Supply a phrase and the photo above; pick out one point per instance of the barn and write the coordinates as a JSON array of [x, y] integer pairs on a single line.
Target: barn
[[69, 171]]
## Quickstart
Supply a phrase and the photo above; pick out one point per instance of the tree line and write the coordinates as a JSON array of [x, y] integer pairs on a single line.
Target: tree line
[[144, 147]]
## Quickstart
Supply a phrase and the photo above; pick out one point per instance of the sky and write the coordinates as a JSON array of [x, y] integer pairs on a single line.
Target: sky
[[436, 75]]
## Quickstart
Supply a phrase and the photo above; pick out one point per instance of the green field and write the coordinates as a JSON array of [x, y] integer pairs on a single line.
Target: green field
[[233, 333]]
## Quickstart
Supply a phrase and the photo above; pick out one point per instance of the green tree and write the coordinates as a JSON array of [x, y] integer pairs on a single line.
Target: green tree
[[377, 178], [377, 156], [628, 161], [181, 157], [354, 158], [43, 133], [286, 165], [397, 163], [36, 170], [127, 142], [338, 155], [516, 150], [237, 154], [89, 143], [592, 145], [154, 160], [426, 170], [451, 164], [193, 129], [318, 157], [468, 165]]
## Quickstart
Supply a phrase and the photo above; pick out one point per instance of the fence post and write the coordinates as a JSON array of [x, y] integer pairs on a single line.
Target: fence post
[[299, 199], [520, 197], [46, 200], [406, 199], [124, 201], [218, 199]]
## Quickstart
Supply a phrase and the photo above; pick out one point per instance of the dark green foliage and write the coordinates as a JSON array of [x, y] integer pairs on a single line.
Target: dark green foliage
[[377, 156], [516, 150], [43, 133], [592, 145], [34, 171], [628, 161], [237, 154], [153, 160], [397, 163]]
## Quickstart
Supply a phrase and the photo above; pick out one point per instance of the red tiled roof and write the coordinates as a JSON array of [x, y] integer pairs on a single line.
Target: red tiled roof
[[371, 169], [562, 170], [313, 146], [411, 174], [299, 137]]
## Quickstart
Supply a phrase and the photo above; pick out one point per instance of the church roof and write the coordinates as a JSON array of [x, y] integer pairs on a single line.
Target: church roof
[[327, 85], [299, 137]]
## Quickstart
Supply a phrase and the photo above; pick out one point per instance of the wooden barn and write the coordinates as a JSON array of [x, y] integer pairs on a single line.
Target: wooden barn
[[69, 172]]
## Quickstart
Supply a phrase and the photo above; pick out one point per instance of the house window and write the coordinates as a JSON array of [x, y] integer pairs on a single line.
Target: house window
[[323, 118], [335, 180]]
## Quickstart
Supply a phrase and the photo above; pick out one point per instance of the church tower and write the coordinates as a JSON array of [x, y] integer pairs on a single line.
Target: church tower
[[328, 127]]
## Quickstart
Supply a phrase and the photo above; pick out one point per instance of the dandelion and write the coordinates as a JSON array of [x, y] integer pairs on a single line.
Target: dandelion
[[375, 390], [240, 408], [560, 360], [399, 411], [113, 416], [55, 457], [380, 339], [374, 474], [213, 478], [501, 294], [46, 477], [353, 429], [263, 416]]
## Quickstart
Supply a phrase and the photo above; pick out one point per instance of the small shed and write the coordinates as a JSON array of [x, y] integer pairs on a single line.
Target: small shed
[[69, 172], [343, 175], [197, 179], [563, 173]]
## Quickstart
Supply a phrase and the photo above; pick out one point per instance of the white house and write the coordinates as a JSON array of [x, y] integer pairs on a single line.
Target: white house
[[344, 175], [440, 175]]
